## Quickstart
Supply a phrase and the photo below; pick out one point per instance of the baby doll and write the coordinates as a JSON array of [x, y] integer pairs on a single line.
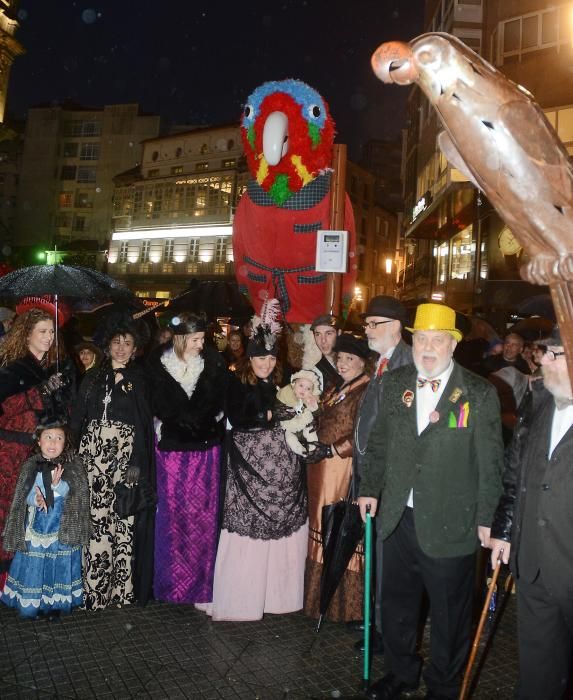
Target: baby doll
[[298, 402]]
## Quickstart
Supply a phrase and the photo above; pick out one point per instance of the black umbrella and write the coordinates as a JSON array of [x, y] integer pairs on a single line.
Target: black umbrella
[[214, 299], [68, 281], [342, 530], [534, 328], [538, 305]]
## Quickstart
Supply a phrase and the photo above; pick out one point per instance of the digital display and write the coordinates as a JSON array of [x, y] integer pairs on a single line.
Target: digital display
[[331, 239]]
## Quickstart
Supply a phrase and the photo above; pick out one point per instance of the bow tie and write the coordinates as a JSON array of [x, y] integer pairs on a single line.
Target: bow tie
[[434, 383]]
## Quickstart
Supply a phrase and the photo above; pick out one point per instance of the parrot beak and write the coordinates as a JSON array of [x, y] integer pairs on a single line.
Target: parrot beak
[[275, 137]]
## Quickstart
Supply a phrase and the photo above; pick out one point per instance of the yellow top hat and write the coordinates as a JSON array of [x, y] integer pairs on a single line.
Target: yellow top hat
[[436, 317]]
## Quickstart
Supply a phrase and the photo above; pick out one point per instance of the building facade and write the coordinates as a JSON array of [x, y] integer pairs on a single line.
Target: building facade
[[70, 158], [172, 216], [457, 249], [10, 48]]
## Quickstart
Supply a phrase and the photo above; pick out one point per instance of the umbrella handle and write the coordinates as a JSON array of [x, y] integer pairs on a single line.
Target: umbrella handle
[[367, 601], [465, 685]]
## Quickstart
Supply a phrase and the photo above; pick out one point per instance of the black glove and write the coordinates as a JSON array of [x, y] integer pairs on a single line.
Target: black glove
[[132, 475], [52, 384], [317, 451]]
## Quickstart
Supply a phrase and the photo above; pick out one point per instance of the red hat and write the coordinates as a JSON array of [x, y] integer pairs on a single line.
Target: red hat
[[45, 303]]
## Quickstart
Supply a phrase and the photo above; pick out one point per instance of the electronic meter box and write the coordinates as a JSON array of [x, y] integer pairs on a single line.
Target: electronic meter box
[[331, 251]]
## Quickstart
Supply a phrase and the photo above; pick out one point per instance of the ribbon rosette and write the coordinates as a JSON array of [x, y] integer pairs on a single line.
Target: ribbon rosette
[[462, 420]]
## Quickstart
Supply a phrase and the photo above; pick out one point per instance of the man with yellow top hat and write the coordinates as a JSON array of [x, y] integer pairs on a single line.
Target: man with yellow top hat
[[433, 463]]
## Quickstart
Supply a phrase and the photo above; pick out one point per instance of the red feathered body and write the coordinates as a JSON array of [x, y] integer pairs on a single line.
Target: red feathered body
[[275, 251]]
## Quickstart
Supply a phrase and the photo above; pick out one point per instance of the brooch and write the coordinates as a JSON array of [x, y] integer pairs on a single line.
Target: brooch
[[455, 395], [434, 417], [408, 398], [462, 420]]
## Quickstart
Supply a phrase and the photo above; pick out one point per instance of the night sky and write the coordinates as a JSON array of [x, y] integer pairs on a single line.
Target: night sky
[[196, 62]]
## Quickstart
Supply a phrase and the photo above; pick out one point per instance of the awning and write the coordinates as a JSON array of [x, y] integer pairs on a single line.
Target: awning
[[448, 214]]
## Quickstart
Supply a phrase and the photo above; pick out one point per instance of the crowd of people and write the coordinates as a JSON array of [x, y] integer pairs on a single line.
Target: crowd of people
[[196, 476]]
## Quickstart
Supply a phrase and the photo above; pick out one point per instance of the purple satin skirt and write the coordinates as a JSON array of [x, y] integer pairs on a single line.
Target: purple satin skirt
[[186, 525]]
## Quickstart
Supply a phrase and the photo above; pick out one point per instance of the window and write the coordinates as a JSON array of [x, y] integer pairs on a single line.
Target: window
[[87, 174], [70, 150], [145, 248], [463, 255], [204, 149], [229, 163], [221, 250], [193, 254], [65, 200], [79, 223], [176, 169], [68, 172], [64, 220], [534, 31], [89, 151], [442, 254], [154, 156], [202, 166], [80, 127], [168, 248], [122, 257], [82, 201], [154, 172], [178, 152]]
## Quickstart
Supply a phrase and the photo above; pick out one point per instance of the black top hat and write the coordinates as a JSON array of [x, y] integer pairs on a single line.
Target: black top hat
[[353, 345], [388, 307], [187, 324]]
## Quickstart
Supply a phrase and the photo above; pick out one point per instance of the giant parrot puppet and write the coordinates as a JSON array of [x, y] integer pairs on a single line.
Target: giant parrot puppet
[[498, 136], [287, 134]]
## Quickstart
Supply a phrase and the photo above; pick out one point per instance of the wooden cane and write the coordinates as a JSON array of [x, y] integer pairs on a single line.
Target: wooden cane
[[468, 673]]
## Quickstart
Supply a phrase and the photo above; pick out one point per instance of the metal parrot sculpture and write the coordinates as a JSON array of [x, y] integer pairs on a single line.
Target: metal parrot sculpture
[[498, 136], [288, 135]]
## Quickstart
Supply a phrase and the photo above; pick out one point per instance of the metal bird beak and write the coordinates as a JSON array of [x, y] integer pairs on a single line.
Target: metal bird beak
[[275, 137], [392, 63]]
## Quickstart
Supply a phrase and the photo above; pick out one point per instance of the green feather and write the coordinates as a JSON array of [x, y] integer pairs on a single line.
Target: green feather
[[251, 136], [314, 134], [279, 191]]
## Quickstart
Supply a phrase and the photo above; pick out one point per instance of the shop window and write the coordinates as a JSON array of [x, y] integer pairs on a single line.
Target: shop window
[[462, 255]]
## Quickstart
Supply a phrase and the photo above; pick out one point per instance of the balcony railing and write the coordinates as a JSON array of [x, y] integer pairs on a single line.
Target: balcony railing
[[168, 269]]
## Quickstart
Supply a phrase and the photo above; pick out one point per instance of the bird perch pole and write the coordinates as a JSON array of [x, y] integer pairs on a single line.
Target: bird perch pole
[[337, 202]]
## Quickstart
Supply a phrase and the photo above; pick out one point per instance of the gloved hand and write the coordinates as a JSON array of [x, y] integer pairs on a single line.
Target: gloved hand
[[132, 475], [317, 451], [52, 384]]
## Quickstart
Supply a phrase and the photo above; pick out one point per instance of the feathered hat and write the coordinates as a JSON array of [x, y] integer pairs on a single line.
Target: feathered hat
[[266, 329]]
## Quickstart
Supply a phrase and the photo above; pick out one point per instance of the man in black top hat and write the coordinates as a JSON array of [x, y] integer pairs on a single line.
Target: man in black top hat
[[326, 330], [384, 319]]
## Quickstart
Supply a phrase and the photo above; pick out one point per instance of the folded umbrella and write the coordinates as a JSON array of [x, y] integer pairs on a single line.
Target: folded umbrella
[[342, 531]]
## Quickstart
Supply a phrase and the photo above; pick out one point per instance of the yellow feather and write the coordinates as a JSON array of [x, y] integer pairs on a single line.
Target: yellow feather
[[301, 170]]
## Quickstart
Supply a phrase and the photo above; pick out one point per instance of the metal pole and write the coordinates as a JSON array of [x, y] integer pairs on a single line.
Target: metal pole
[[367, 601]]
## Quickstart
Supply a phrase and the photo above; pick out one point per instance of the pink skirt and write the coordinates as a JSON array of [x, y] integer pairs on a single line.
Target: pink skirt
[[253, 577]]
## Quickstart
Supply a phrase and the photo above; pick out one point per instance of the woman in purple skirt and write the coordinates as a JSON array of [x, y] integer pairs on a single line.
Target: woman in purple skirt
[[188, 386]]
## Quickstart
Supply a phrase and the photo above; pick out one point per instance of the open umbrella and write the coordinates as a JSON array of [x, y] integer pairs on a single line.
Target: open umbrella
[[69, 281], [213, 298], [534, 328], [538, 305], [342, 529]]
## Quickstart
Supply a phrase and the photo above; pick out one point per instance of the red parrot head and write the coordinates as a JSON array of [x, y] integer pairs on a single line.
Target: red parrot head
[[287, 134]]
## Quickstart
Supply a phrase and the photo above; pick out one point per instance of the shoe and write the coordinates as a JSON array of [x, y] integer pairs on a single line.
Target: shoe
[[356, 626], [376, 645], [389, 688]]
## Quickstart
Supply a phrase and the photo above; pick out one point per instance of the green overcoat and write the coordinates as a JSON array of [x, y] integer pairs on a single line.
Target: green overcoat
[[454, 466]]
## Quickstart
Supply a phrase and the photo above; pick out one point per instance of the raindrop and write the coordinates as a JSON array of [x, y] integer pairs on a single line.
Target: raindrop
[[6, 250], [22, 15], [128, 627], [98, 189], [89, 16], [395, 14]]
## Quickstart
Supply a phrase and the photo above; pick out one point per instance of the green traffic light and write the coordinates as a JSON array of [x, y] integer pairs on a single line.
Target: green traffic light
[[41, 255]]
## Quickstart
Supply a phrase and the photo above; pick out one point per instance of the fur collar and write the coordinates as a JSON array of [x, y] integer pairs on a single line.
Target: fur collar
[[186, 374]]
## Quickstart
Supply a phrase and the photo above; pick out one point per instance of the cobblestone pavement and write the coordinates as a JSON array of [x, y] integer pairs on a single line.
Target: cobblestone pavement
[[166, 651]]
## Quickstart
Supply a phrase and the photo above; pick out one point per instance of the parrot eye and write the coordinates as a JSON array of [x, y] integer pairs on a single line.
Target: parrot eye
[[248, 111], [314, 111]]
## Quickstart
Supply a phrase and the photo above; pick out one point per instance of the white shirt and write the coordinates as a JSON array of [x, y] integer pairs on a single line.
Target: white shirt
[[562, 421], [426, 402]]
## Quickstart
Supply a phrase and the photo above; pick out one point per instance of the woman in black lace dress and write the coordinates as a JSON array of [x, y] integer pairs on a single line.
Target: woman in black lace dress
[[113, 426], [262, 548]]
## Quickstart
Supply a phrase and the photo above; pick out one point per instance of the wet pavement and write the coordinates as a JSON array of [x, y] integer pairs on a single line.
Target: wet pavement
[[166, 651]]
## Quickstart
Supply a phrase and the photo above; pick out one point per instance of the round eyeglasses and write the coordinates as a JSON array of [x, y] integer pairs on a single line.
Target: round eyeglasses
[[551, 355], [372, 324]]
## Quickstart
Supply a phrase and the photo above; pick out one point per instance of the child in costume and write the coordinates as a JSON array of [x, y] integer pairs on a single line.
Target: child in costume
[[297, 409], [47, 525]]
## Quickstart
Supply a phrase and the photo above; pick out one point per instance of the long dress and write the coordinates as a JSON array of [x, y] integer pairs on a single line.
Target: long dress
[[118, 561], [262, 546], [22, 405], [45, 574], [328, 481], [187, 398]]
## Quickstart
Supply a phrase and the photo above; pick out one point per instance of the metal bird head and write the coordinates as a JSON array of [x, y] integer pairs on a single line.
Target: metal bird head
[[287, 134]]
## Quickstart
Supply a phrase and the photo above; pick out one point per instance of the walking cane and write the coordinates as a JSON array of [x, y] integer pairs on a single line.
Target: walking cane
[[491, 589], [367, 576]]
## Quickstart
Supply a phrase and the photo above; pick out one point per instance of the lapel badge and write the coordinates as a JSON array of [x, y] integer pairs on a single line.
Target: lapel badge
[[434, 417], [408, 398], [455, 395]]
